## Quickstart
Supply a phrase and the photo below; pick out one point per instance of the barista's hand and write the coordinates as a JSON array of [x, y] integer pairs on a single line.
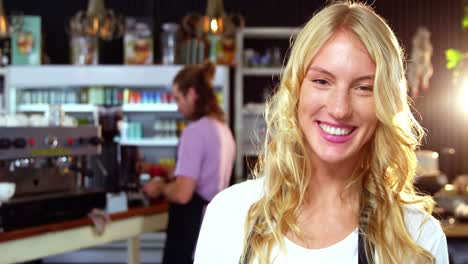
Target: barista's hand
[[153, 188], [170, 174]]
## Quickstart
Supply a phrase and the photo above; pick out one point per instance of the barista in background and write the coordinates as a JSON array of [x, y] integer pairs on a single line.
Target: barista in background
[[205, 159]]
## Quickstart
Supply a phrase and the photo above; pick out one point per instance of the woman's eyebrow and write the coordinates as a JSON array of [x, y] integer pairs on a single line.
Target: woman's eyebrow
[[357, 79], [365, 78], [321, 70]]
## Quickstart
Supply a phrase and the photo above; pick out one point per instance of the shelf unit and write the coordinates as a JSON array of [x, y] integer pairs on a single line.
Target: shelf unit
[[248, 120], [71, 75], [149, 142], [89, 108], [149, 108], [38, 77], [68, 108], [261, 71], [118, 76]]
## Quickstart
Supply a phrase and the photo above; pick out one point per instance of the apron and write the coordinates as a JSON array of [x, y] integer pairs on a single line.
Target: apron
[[182, 230]]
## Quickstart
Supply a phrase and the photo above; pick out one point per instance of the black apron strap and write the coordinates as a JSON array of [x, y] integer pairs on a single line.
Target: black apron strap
[[248, 250], [361, 251], [182, 230]]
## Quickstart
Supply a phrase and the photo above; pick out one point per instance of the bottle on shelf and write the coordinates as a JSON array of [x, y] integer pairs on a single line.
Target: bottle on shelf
[[277, 58], [84, 95], [180, 127], [135, 130], [123, 127], [126, 95], [157, 126]]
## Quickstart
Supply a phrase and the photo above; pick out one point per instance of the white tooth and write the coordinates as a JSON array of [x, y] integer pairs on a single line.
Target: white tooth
[[323, 127], [334, 130]]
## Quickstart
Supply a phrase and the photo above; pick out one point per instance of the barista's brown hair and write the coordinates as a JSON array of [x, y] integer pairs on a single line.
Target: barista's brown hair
[[200, 78]]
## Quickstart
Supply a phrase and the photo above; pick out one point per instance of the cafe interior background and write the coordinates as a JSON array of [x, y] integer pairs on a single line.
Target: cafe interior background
[[62, 68]]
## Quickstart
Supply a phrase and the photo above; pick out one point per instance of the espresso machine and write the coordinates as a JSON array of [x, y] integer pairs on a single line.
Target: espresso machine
[[49, 166]]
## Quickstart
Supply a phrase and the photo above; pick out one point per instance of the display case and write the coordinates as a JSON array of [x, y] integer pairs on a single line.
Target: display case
[[253, 71]]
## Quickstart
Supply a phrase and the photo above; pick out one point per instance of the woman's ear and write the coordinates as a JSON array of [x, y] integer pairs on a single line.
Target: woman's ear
[[192, 93]]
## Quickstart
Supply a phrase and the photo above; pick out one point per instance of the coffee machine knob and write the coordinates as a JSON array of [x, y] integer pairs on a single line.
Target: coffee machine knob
[[5, 143], [19, 143], [82, 141], [95, 141], [51, 141]]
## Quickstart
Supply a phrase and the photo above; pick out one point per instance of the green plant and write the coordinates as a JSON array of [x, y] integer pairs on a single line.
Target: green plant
[[456, 58]]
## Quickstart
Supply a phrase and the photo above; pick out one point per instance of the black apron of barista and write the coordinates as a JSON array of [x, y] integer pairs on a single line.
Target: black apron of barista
[[361, 254], [182, 230]]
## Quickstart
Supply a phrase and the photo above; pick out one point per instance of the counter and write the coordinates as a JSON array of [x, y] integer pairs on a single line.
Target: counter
[[457, 230], [37, 242]]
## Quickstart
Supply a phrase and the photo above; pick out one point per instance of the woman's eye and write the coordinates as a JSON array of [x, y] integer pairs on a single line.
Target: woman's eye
[[365, 88], [320, 81]]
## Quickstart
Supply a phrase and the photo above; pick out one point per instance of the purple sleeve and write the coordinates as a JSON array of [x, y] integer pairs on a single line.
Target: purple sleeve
[[189, 155]]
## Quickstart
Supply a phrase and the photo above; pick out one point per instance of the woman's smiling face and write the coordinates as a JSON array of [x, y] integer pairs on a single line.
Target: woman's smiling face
[[336, 110]]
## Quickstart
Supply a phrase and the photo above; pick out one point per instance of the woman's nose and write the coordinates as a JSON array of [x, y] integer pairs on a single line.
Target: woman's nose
[[339, 104]]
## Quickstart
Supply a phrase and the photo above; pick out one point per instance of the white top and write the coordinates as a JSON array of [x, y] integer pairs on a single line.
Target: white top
[[222, 233]]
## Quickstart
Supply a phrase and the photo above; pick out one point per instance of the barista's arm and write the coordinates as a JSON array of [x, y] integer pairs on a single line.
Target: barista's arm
[[181, 190], [178, 191]]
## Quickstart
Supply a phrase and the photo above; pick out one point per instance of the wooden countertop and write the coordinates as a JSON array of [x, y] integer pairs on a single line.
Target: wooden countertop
[[38, 230], [451, 230], [46, 240], [456, 230]]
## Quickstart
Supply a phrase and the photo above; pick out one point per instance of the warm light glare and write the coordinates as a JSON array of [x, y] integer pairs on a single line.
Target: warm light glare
[[97, 21], [95, 25], [464, 96], [435, 155], [105, 31], [214, 25], [3, 26], [449, 187]]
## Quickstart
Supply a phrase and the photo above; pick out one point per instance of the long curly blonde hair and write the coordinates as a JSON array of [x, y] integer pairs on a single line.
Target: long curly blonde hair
[[388, 169]]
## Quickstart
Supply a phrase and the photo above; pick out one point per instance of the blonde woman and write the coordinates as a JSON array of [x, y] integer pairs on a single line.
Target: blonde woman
[[339, 159]]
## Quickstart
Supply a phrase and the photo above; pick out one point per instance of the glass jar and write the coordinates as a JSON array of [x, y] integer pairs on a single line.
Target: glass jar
[[170, 39]]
